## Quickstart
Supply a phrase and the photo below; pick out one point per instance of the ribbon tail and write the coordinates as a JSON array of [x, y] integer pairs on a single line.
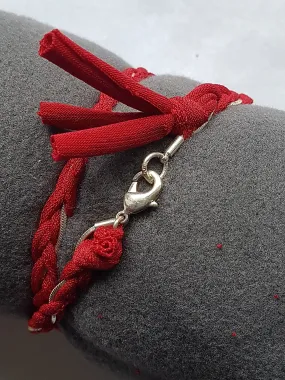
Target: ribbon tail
[[111, 138], [66, 116], [65, 53]]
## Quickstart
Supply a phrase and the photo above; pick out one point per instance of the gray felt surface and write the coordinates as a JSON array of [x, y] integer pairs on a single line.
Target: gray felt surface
[[171, 306]]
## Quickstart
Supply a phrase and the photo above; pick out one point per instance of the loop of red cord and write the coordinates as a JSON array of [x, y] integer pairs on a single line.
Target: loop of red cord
[[99, 131]]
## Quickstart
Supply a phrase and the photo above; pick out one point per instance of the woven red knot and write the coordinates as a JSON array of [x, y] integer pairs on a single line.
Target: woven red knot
[[102, 252], [188, 115], [194, 109]]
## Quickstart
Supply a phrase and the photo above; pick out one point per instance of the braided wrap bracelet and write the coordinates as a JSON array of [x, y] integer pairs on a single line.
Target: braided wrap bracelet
[[98, 131]]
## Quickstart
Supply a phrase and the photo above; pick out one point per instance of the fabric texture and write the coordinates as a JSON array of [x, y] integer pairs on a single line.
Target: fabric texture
[[176, 307]]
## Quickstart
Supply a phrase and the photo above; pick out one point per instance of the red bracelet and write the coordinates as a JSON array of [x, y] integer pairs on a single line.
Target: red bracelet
[[98, 131]]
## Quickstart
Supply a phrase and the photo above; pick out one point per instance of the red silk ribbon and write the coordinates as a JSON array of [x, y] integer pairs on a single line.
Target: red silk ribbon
[[96, 132]]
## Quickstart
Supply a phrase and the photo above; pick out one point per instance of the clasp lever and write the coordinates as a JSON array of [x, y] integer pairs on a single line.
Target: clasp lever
[[136, 201]]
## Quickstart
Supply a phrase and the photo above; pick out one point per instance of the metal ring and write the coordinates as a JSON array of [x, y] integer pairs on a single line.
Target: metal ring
[[164, 158], [121, 218]]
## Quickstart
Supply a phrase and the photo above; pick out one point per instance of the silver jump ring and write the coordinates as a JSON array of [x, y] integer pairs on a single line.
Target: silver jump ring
[[121, 218], [164, 158]]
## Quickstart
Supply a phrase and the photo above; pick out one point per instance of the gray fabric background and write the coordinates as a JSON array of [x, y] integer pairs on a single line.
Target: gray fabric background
[[171, 305]]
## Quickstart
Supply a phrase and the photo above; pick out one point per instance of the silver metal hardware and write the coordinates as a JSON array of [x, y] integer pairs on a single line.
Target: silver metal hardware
[[235, 103], [203, 125], [107, 222], [121, 218], [136, 201], [163, 159], [63, 220], [174, 146], [52, 294]]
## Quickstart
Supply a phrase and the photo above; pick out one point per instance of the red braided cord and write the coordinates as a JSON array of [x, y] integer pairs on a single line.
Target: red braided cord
[[44, 273], [102, 252]]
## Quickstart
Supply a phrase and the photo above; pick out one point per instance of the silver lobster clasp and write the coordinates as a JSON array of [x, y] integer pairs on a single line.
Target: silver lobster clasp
[[136, 201]]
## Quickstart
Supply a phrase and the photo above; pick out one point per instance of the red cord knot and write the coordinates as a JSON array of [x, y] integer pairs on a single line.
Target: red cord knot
[[188, 115], [102, 252]]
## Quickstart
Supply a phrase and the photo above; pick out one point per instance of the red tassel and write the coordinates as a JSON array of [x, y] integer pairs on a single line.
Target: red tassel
[[69, 56], [109, 139], [159, 115]]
